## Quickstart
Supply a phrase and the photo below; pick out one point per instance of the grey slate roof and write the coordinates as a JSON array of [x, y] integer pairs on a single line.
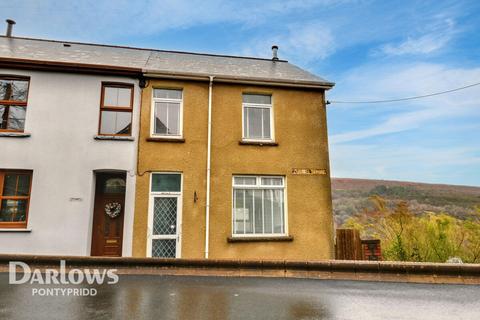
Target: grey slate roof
[[156, 61]]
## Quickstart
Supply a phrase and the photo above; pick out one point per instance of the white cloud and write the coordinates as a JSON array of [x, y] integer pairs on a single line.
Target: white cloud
[[409, 163], [104, 18], [403, 81], [437, 36], [394, 124], [301, 42], [438, 146]]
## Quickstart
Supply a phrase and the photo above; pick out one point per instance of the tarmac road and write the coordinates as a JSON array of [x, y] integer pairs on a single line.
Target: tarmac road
[[175, 297]]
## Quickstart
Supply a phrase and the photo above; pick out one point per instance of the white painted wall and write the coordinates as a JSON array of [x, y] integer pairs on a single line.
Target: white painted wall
[[62, 118]]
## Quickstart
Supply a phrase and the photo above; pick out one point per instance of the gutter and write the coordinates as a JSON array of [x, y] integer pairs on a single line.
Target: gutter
[[209, 151], [69, 67], [238, 80]]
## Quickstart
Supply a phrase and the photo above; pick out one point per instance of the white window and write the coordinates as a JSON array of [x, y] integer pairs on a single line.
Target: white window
[[259, 206], [257, 117], [167, 113]]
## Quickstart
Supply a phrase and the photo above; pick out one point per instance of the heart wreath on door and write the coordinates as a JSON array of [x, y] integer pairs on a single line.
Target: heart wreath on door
[[113, 209]]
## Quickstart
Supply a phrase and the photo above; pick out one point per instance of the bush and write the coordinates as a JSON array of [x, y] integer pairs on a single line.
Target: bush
[[428, 237]]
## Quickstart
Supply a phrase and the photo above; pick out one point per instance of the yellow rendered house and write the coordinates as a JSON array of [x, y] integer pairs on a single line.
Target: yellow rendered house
[[232, 160]]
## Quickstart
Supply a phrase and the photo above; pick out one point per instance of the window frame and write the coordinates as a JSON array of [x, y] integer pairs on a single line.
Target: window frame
[[259, 186], [167, 100], [151, 200], [15, 103], [16, 224], [258, 106], [116, 109]]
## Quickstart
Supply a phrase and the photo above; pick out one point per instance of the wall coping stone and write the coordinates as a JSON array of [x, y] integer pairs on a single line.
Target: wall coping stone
[[418, 272]]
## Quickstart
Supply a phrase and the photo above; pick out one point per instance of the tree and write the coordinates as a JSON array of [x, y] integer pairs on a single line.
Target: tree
[[433, 237]]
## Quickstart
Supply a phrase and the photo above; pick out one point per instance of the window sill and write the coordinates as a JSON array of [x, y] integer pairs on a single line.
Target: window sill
[[15, 230], [165, 139], [258, 143], [15, 134], [114, 138], [261, 239]]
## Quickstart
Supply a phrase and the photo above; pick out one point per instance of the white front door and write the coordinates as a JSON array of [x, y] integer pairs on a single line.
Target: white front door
[[164, 225]]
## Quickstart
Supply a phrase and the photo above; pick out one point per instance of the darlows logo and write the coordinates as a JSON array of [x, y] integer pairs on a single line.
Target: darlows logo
[[21, 273]]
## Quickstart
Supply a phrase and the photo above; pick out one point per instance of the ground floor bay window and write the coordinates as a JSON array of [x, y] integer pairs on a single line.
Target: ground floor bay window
[[259, 206]]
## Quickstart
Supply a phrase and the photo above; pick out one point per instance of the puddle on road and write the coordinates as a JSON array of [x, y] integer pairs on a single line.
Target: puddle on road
[[173, 297]]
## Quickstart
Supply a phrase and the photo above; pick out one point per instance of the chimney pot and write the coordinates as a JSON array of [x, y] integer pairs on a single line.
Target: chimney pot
[[275, 52], [10, 24]]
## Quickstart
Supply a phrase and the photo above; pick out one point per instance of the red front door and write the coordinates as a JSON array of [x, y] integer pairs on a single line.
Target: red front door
[[108, 214]]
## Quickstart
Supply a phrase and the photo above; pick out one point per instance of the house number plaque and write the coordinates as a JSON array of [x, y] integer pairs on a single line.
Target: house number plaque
[[307, 171]]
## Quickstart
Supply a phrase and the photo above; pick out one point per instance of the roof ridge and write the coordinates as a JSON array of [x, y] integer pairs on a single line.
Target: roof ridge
[[144, 49]]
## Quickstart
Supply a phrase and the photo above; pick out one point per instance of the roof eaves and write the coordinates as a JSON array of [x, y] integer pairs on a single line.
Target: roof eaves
[[149, 73], [68, 66]]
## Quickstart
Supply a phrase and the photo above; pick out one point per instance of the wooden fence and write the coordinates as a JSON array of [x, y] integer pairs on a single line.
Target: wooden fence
[[349, 246]]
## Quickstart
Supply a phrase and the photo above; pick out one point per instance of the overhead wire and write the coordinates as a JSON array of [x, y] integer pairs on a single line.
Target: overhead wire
[[406, 98]]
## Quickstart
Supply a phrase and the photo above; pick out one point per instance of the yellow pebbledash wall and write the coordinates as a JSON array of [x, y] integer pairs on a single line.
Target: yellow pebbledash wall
[[301, 134]]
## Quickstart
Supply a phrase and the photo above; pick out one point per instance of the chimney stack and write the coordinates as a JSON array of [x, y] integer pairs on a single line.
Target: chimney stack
[[10, 24], [274, 52]]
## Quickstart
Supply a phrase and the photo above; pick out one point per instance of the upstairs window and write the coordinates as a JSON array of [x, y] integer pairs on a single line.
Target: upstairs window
[[13, 103], [257, 117], [116, 109], [14, 198], [167, 113]]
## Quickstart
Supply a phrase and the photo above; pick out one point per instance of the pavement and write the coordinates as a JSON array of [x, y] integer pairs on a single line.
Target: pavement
[[186, 297]]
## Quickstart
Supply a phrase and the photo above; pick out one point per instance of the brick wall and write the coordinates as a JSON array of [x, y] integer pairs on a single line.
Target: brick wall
[[372, 250]]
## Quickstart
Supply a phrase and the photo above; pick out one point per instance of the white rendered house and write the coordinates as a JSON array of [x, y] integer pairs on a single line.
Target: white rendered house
[[68, 143]]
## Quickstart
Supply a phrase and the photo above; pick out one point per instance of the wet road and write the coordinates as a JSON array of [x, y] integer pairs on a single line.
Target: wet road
[[169, 297]]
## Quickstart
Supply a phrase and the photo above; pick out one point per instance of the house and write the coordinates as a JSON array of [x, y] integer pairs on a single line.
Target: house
[[68, 147], [233, 160], [169, 154]]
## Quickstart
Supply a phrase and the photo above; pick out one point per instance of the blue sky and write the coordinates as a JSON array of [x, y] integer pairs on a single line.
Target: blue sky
[[371, 49]]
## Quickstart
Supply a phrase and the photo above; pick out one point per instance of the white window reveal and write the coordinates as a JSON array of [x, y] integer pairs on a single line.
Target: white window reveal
[[259, 206], [167, 113], [164, 215], [257, 117]]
